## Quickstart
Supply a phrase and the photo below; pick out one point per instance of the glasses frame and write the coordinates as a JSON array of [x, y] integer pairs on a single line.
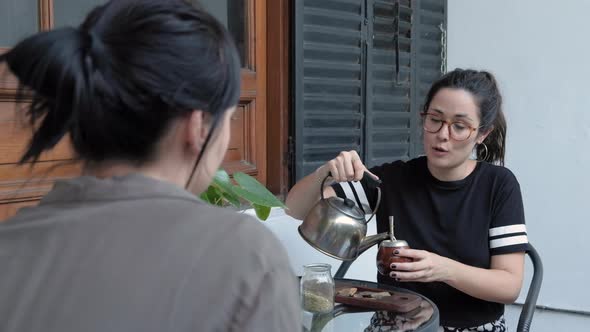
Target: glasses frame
[[449, 124]]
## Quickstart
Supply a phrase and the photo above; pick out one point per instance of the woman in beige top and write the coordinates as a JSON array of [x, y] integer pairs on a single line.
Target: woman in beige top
[[145, 89]]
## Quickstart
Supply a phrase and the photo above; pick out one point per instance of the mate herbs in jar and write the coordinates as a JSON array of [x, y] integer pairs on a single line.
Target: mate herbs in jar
[[317, 288]]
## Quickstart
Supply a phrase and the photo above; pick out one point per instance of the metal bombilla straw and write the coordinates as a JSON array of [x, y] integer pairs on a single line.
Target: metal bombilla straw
[[391, 234]]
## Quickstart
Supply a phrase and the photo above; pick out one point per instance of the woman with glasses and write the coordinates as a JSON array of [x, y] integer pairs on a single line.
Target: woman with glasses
[[462, 216]]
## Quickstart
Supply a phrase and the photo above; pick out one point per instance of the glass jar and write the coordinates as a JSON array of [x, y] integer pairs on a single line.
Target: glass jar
[[317, 288]]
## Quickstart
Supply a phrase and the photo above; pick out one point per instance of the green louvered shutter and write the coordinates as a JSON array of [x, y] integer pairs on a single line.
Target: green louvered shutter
[[430, 16], [328, 88], [389, 115], [361, 72]]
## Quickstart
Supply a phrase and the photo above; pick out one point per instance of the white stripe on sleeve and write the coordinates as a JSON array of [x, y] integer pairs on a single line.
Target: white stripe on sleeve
[[508, 241], [360, 191], [347, 191], [520, 228]]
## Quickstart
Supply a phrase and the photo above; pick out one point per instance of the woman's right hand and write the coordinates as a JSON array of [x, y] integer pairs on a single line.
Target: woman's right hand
[[347, 166]]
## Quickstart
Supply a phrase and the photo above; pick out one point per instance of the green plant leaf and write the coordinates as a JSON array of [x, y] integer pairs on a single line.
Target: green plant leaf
[[213, 196], [205, 197], [228, 195], [231, 198], [223, 184], [254, 192], [222, 177], [262, 212], [222, 191]]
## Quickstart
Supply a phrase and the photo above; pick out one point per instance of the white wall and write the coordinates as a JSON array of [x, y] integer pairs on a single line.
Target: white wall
[[540, 53]]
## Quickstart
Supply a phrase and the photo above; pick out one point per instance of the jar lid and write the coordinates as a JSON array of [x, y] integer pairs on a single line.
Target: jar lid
[[318, 267], [396, 243]]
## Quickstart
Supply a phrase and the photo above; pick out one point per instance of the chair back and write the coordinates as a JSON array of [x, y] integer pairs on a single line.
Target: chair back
[[528, 309]]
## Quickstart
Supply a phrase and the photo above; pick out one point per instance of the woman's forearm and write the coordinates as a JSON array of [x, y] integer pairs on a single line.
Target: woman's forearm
[[303, 196], [347, 166], [495, 285]]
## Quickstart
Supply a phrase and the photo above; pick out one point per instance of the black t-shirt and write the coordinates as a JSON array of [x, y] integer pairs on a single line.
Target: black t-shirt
[[467, 220]]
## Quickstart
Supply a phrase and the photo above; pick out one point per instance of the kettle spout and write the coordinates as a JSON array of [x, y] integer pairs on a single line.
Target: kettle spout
[[372, 240]]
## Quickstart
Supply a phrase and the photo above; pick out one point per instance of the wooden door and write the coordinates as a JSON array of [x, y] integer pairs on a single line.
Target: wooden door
[[25, 185], [246, 21]]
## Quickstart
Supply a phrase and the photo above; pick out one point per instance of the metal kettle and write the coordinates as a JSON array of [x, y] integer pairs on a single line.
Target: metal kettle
[[338, 228]]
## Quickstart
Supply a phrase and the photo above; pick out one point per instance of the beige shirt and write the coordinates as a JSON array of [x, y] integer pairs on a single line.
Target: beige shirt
[[136, 254]]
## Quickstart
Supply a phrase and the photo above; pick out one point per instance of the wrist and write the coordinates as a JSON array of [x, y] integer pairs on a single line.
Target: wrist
[[450, 273], [321, 173]]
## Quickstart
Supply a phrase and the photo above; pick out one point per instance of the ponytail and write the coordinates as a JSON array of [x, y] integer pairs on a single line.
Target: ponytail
[[492, 118], [495, 142], [50, 64], [116, 83]]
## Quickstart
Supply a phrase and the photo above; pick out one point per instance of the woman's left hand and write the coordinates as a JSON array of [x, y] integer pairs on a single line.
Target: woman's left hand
[[426, 267]]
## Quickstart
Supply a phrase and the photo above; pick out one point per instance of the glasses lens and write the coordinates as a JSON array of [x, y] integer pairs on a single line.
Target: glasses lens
[[432, 124], [460, 131]]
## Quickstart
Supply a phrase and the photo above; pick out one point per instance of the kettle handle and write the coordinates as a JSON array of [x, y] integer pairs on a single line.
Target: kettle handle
[[376, 206], [371, 181]]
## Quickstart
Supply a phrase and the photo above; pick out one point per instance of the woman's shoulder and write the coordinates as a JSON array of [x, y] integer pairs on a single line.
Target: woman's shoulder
[[202, 214], [498, 173], [499, 180], [237, 233]]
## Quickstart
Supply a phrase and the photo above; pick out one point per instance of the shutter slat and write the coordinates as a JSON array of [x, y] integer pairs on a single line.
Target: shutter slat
[[338, 31], [343, 6], [328, 86], [325, 64]]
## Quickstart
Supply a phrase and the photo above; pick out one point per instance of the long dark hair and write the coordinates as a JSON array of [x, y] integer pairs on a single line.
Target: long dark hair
[[483, 86], [116, 82]]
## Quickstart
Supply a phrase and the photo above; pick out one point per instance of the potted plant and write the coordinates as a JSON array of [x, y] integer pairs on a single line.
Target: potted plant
[[245, 192]]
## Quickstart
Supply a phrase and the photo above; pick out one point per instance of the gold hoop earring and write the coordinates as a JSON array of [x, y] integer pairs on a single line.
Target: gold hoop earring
[[486, 149]]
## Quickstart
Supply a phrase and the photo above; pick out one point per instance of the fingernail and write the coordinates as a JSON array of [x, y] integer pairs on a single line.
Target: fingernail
[[396, 252], [393, 266], [392, 275], [397, 279]]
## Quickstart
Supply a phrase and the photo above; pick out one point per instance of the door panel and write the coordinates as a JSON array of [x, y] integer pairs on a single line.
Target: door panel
[[234, 16], [25, 184], [28, 182], [18, 183], [241, 152], [7, 210], [246, 21], [236, 150], [15, 134]]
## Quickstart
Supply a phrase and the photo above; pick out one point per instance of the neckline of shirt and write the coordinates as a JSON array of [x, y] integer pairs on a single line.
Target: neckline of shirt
[[130, 186], [450, 185]]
